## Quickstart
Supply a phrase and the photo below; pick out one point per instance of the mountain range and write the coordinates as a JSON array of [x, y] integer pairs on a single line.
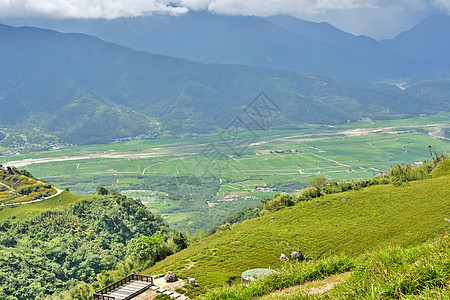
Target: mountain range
[[77, 88], [279, 42]]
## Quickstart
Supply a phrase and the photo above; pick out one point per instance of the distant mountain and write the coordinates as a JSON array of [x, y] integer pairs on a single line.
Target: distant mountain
[[79, 89], [428, 45], [279, 42], [428, 40], [371, 53]]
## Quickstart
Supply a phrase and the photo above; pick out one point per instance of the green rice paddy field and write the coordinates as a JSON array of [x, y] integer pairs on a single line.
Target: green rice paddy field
[[243, 168]]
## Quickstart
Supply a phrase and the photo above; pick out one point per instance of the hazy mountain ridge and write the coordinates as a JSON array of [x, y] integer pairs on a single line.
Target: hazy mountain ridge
[[316, 48]]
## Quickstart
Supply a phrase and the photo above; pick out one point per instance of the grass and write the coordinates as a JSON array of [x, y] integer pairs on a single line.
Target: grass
[[291, 274], [420, 272], [373, 218], [26, 211]]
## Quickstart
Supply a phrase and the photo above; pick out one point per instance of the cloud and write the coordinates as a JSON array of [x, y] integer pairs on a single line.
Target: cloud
[[442, 5], [130, 8], [108, 9]]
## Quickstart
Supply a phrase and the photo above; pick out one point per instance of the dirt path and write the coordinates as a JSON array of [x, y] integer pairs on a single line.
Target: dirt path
[[313, 287], [161, 283]]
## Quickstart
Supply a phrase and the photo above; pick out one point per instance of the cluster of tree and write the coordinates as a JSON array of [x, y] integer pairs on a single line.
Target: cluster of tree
[[189, 192], [7, 171], [59, 250]]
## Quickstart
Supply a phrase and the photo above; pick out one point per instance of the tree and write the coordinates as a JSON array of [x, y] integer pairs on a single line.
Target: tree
[[181, 241], [102, 191], [146, 248], [317, 182]]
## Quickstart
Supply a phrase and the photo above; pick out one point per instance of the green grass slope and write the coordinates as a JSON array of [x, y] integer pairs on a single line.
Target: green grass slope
[[419, 272], [27, 211], [370, 219]]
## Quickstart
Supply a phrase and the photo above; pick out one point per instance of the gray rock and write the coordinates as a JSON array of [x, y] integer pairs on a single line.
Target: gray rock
[[170, 277], [344, 199], [297, 255]]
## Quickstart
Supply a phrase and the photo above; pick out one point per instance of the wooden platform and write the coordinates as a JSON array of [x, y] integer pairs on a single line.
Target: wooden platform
[[125, 289]]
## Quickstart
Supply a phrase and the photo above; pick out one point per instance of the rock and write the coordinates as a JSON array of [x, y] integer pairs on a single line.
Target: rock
[[297, 255], [170, 277], [192, 281], [283, 257], [271, 218], [344, 200]]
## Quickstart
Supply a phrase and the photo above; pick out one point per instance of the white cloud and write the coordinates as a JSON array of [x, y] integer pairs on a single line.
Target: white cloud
[[108, 9], [129, 8], [442, 5]]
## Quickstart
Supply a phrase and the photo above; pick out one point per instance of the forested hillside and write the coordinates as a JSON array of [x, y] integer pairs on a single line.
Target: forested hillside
[[58, 249]]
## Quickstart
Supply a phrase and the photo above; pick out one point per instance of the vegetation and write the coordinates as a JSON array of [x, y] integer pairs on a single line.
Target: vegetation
[[420, 272], [20, 186], [243, 215], [172, 177], [65, 248], [347, 223], [398, 175]]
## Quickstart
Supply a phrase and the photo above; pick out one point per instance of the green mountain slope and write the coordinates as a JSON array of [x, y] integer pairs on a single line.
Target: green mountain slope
[[368, 219]]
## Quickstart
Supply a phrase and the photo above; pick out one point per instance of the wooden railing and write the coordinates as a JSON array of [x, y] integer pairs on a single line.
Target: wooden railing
[[102, 294]]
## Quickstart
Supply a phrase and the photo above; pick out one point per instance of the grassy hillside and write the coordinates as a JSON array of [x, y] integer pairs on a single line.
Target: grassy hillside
[[420, 272], [23, 212], [367, 220]]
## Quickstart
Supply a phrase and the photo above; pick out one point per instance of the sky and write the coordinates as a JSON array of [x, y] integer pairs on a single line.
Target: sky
[[376, 18]]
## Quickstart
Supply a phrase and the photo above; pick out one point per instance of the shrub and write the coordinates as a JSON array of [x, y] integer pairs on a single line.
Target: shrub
[[278, 202]]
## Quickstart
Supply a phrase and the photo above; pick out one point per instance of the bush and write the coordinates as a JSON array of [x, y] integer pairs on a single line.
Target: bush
[[278, 202]]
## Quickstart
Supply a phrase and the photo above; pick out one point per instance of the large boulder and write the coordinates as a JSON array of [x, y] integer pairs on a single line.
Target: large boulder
[[297, 255], [170, 277]]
